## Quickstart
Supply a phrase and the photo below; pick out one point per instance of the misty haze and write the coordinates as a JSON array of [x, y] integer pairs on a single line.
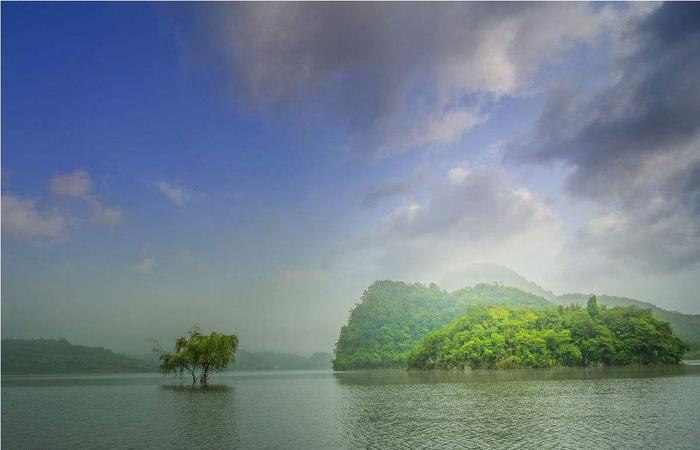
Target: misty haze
[[350, 225]]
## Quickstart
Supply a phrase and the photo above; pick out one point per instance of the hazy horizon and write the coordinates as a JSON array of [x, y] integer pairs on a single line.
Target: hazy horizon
[[253, 167]]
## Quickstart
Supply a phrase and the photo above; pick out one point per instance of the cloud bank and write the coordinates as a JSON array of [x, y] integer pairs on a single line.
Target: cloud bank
[[634, 145], [401, 76], [476, 215]]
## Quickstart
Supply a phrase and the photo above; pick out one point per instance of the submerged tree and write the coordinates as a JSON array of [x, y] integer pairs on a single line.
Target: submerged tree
[[199, 354]]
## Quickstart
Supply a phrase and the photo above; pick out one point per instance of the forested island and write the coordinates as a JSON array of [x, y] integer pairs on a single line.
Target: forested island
[[398, 325], [510, 337]]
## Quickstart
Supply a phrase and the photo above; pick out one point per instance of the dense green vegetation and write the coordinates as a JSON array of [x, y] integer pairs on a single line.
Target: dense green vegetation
[[393, 316], [509, 337], [686, 326], [47, 356], [280, 361], [198, 354]]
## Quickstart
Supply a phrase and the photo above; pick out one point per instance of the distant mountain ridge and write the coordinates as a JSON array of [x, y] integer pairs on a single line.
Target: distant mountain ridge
[[280, 361], [58, 356], [482, 273], [49, 356]]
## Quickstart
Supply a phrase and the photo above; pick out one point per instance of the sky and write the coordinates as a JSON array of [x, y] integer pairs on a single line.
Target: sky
[[253, 167]]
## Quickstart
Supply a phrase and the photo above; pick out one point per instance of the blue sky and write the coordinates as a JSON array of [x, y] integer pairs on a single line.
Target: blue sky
[[253, 167]]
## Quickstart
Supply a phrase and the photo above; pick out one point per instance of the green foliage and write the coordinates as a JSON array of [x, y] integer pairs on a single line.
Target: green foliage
[[48, 356], [592, 306], [512, 336], [686, 326], [200, 353], [392, 316]]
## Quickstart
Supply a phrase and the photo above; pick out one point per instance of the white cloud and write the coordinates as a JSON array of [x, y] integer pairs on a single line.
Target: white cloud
[[78, 184], [605, 224], [484, 218], [457, 175], [448, 129], [22, 220], [147, 265], [107, 216], [75, 184], [434, 130], [177, 195]]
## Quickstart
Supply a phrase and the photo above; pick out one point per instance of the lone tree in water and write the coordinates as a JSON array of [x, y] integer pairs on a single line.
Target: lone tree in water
[[200, 354]]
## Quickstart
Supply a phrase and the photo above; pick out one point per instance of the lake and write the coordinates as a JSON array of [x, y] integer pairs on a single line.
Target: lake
[[657, 407]]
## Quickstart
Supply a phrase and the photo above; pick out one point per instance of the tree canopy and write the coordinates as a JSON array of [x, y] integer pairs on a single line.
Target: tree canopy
[[392, 316], [198, 354], [686, 326], [508, 337]]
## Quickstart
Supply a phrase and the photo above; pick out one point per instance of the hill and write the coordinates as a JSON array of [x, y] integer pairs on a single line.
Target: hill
[[47, 356], [474, 274], [392, 316]]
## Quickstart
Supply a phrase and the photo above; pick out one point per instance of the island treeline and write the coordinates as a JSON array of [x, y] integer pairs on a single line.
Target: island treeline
[[686, 326], [510, 337], [396, 323]]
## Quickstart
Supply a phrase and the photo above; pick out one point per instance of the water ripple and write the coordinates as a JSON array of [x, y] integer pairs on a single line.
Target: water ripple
[[573, 408]]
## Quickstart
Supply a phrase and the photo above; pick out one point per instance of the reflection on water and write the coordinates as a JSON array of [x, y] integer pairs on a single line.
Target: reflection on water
[[493, 376], [640, 407], [197, 389], [204, 416], [637, 407]]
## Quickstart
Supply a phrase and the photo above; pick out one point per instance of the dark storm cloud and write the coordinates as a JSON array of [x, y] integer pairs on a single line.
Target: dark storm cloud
[[635, 145], [400, 75]]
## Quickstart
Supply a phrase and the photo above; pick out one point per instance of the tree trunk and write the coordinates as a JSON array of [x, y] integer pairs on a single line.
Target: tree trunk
[[191, 371], [205, 375]]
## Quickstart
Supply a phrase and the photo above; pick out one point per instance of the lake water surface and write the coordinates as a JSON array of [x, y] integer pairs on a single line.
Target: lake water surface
[[562, 408]]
